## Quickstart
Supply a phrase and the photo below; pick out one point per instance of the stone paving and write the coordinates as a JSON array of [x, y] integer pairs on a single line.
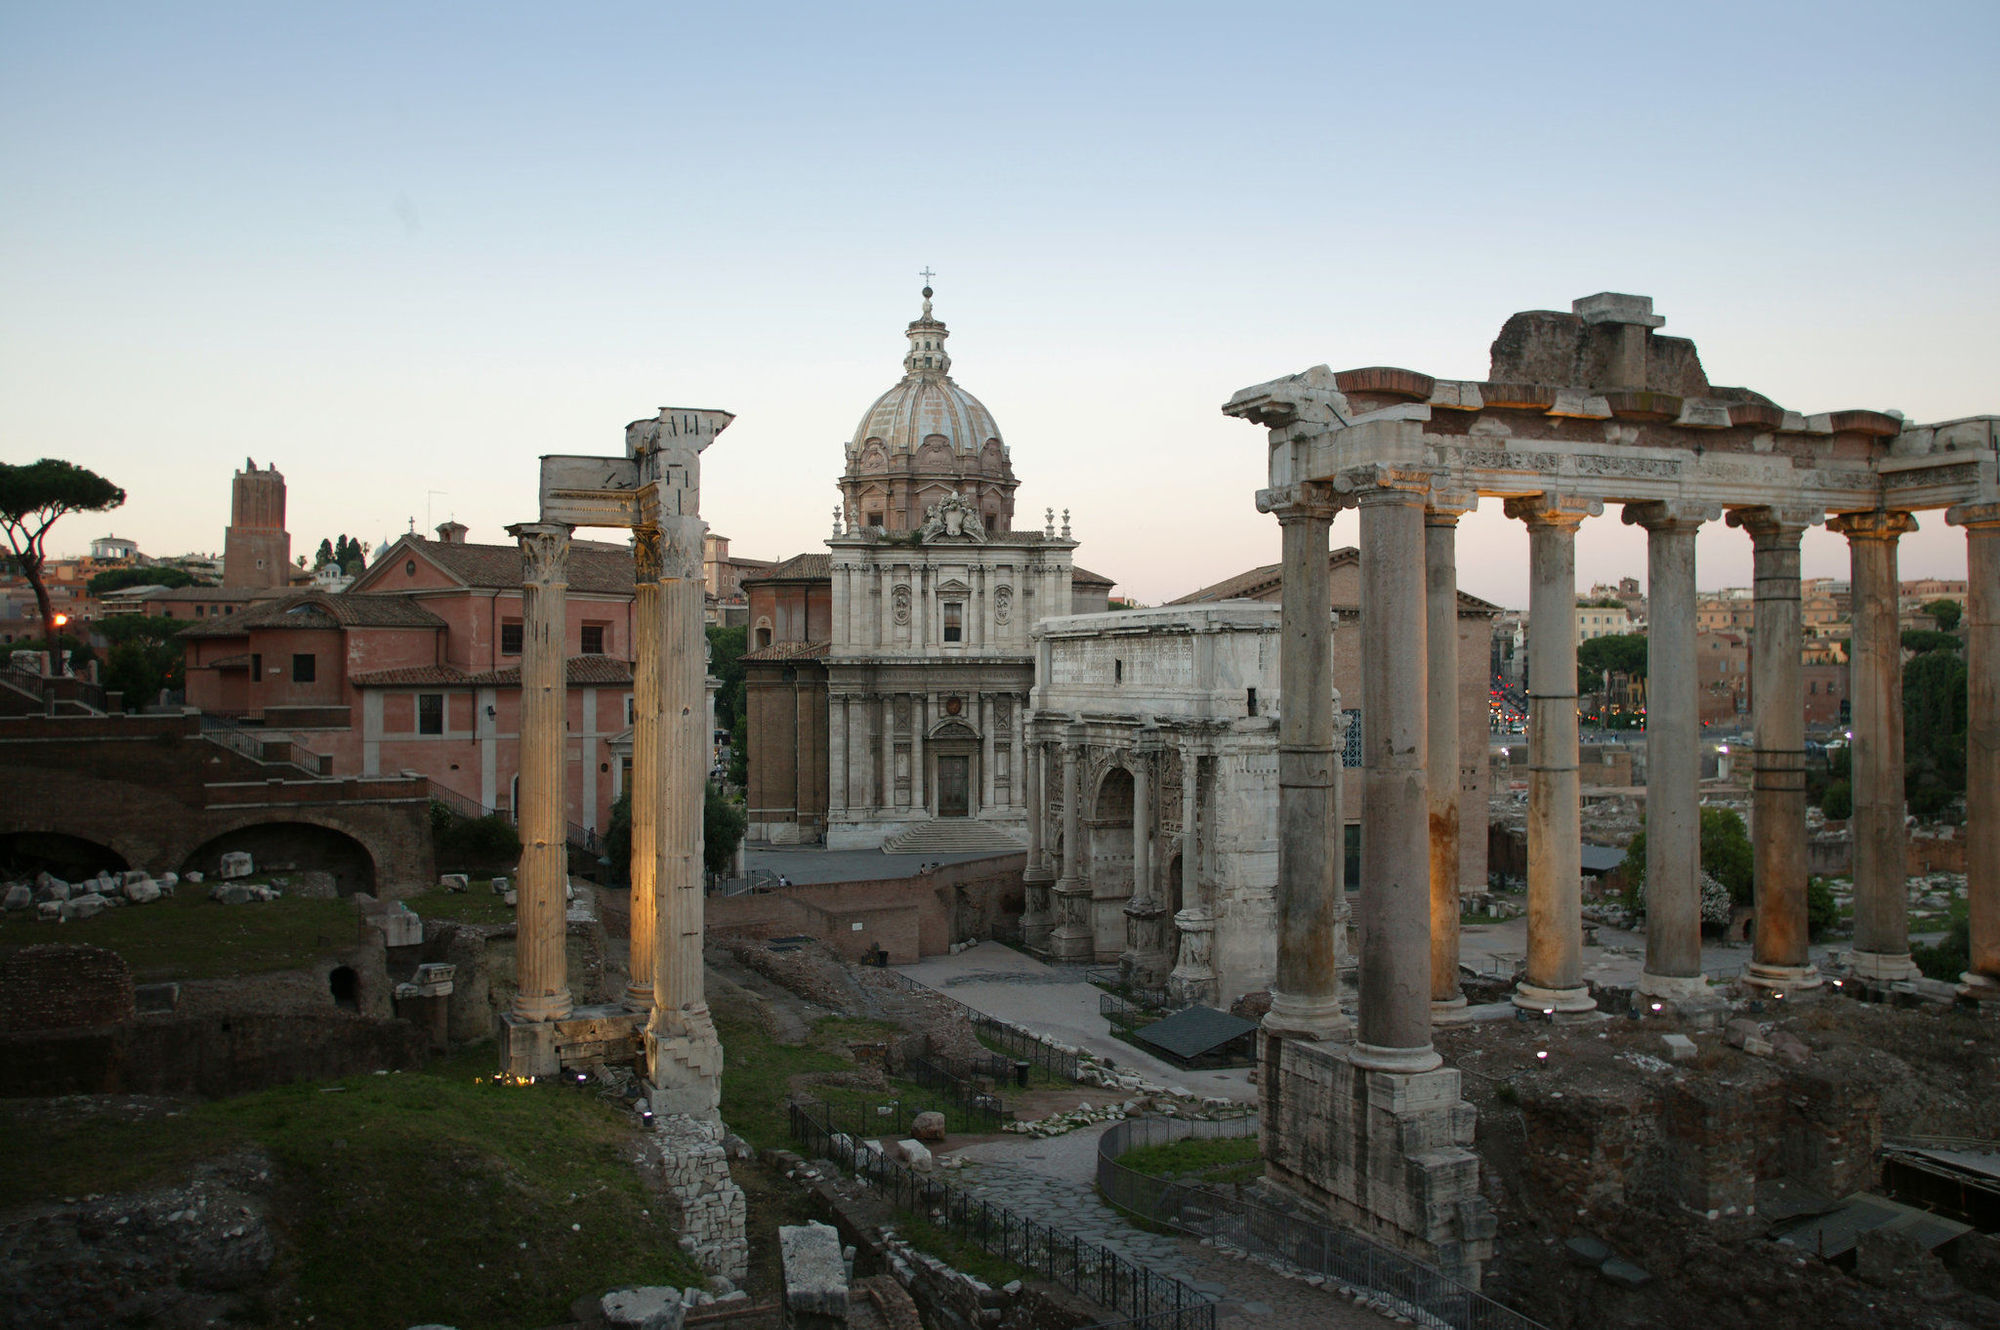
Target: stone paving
[[1052, 1181]]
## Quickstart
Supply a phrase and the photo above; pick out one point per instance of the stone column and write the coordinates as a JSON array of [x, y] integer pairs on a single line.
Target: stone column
[[683, 1055], [886, 706], [540, 960], [1875, 690], [1305, 995], [1073, 938], [1035, 918], [645, 796], [1190, 838], [989, 747], [1441, 705], [1673, 752], [1982, 750], [1147, 957], [1554, 981], [836, 757], [1780, 960], [1394, 1032]]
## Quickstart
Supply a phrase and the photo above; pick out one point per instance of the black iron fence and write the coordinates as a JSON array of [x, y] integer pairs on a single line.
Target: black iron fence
[[1015, 1042], [978, 1107], [1235, 1216], [1147, 1299]]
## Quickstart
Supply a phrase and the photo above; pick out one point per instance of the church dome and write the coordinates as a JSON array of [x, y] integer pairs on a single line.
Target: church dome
[[927, 405], [925, 438]]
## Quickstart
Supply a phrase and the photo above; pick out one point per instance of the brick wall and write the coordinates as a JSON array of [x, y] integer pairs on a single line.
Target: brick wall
[[56, 987], [909, 917]]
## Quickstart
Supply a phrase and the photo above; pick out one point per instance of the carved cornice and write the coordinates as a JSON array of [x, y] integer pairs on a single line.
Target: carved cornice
[[1974, 516], [1447, 505], [1670, 514], [1380, 482], [1883, 524]]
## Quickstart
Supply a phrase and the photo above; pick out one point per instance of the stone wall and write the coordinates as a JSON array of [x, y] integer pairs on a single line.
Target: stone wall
[[56, 987], [909, 917], [209, 1056], [711, 1210]]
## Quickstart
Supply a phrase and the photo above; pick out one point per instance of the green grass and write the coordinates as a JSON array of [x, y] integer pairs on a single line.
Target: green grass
[[404, 1198], [1038, 1076], [756, 1076], [84, 1145], [188, 936], [475, 905], [959, 1254], [1475, 917], [1219, 1159]]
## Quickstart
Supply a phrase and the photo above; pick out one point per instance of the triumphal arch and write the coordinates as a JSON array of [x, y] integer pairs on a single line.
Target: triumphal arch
[[1580, 410]]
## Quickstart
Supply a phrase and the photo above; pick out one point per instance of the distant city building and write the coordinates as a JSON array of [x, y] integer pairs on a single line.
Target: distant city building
[[115, 549], [256, 548], [724, 603]]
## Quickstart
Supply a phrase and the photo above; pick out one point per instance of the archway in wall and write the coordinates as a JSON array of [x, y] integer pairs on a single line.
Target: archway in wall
[[26, 853], [310, 855], [1110, 832], [952, 754], [1170, 890]]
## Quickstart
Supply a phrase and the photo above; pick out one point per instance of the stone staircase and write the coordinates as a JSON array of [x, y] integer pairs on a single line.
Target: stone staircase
[[952, 835]]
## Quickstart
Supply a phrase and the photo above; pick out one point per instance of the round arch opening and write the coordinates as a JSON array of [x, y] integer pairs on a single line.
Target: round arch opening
[[26, 853], [299, 848]]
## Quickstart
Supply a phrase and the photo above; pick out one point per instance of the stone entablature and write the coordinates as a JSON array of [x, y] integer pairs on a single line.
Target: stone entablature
[[1161, 726]]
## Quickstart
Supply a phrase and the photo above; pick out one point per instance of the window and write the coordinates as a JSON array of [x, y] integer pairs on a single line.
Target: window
[[763, 637], [593, 639], [510, 638], [430, 713], [874, 519], [199, 611], [1250, 703], [1350, 755], [305, 667], [256, 667], [1118, 674], [954, 621]]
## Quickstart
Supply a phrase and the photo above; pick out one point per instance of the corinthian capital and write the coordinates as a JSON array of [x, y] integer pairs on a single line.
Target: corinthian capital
[[1883, 524], [544, 552], [1780, 524], [646, 553], [1671, 514]]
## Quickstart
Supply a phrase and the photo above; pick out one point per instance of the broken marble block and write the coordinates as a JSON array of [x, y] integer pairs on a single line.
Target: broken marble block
[[654, 1307], [454, 881], [815, 1276], [19, 896], [237, 863]]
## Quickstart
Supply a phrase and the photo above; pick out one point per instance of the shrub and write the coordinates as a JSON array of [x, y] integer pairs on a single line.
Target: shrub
[[1822, 914], [1838, 801], [1950, 958]]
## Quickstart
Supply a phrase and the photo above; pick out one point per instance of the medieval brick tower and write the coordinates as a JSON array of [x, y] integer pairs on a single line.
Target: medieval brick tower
[[256, 549]]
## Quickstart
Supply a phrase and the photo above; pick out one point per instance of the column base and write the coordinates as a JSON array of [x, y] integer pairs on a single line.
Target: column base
[[1405, 1061], [637, 998], [527, 1048], [554, 1007], [684, 1064], [1193, 987], [1451, 1011], [1979, 987], [1883, 966], [1317, 1019], [1778, 980], [1673, 987], [584, 1037], [1562, 1003], [1035, 935]]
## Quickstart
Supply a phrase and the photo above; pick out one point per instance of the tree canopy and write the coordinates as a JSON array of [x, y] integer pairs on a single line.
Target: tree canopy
[[1726, 856], [1620, 653], [1946, 612], [725, 662], [117, 579], [1934, 731], [33, 497]]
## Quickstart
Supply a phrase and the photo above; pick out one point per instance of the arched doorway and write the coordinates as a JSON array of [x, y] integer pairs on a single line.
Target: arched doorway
[[952, 753], [26, 853], [293, 847], [1110, 830]]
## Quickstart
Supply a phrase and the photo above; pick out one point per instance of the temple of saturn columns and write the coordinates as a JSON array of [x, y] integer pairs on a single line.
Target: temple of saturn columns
[[1579, 410], [655, 492]]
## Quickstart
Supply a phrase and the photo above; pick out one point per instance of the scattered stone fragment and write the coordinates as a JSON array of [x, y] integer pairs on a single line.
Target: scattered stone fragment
[[502, 886], [454, 881], [1622, 1272], [913, 1153], [1790, 1048], [19, 896], [815, 1276], [928, 1126], [237, 863], [143, 892], [1739, 1031], [84, 906], [1679, 1047], [648, 1308], [1584, 1249]]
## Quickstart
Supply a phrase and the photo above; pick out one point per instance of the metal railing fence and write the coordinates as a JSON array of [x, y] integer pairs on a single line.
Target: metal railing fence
[[1149, 1300], [1020, 1044], [1233, 1216]]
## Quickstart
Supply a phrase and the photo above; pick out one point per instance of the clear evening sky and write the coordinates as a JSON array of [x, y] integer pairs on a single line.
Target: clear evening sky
[[403, 250]]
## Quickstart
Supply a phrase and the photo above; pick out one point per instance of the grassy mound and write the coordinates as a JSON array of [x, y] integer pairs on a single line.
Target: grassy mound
[[188, 936]]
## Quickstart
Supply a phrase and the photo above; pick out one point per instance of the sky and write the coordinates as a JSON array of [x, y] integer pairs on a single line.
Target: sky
[[403, 251]]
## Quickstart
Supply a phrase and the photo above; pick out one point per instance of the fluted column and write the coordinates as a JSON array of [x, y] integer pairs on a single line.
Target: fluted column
[[1875, 693], [1305, 995], [540, 960], [885, 739], [645, 793], [1394, 1029], [1074, 936], [1780, 958], [1554, 981], [1448, 1006], [1982, 749], [1673, 751], [1190, 838], [836, 757]]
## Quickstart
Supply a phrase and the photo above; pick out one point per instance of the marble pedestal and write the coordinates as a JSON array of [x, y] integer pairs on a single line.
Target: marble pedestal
[[587, 1037]]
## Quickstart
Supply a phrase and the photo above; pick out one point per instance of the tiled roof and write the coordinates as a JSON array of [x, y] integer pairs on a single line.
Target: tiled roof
[[1269, 577], [789, 651], [1084, 577], [579, 670], [798, 567], [319, 609], [595, 567]]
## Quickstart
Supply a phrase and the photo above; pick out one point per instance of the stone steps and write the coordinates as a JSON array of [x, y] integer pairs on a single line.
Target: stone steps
[[952, 835]]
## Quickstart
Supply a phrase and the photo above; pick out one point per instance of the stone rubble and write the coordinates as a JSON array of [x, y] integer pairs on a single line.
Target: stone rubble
[[236, 863]]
